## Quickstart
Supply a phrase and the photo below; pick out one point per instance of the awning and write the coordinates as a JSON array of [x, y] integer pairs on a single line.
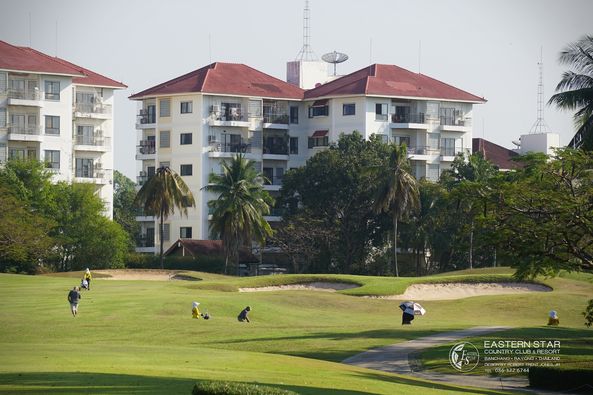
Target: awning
[[320, 133], [320, 103]]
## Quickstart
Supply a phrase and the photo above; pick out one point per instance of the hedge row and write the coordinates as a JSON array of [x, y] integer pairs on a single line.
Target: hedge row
[[204, 264], [560, 379], [232, 388]]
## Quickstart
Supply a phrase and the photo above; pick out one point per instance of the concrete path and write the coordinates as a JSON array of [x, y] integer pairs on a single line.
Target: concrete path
[[401, 358]]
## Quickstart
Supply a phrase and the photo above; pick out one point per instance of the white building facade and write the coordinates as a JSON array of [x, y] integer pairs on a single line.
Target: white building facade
[[54, 111], [196, 121]]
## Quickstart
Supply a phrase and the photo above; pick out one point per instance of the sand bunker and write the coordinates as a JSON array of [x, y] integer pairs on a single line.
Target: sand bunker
[[152, 275], [315, 286], [449, 291]]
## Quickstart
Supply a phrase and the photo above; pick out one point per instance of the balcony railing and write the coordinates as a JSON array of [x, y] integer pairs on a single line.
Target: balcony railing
[[89, 174], [92, 108], [147, 147], [423, 150], [408, 118], [273, 180], [144, 241], [277, 212], [276, 149], [92, 140], [232, 114], [146, 118], [24, 94], [280, 118], [450, 151], [452, 121], [223, 147], [31, 130]]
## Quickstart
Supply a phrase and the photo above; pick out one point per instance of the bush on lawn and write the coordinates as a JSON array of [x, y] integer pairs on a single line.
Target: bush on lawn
[[233, 388], [560, 379]]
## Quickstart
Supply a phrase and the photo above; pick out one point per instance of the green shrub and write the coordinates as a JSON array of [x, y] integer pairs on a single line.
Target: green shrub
[[560, 379], [233, 388], [203, 264]]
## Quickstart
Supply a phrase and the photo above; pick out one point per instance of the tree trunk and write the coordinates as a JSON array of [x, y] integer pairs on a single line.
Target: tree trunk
[[161, 231], [471, 246], [395, 246]]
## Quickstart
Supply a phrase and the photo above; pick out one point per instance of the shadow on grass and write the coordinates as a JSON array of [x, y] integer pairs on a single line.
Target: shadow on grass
[[101, 383], [394, 335]]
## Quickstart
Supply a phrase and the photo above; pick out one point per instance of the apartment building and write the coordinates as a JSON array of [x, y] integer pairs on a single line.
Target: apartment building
[[55, 111], [195, 121]]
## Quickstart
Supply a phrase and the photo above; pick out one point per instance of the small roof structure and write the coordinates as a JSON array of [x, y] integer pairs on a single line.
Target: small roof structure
[[499, 156], [197, 248]]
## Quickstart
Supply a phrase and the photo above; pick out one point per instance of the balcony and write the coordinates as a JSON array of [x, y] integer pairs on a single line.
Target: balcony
[[228, 114], [92, 110], [275, 148], [146, 120], [92, 143], [24, 97], [455, 124], [229, 150], [24, 133], [146, 150], [423, 150], [144, 241], [141, 216], [276, 118], [96, 176], [409, 121]]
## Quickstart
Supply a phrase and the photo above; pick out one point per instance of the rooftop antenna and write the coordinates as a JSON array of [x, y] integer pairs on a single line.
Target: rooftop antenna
[[30, 45], [540, 125], [306, 53], [334, 58]]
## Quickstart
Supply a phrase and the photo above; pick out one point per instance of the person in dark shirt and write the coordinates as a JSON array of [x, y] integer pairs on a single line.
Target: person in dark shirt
[[242, 317], [74, 297]]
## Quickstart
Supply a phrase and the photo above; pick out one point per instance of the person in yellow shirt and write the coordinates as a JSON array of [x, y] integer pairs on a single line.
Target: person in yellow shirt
[[195, 312], [87, 276]]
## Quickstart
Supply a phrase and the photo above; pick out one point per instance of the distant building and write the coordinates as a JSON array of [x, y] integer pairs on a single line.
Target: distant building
[[538, 142], [55, 111], [499, 156], [194, 122]]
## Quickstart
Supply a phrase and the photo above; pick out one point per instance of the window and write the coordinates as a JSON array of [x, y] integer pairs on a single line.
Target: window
[[2, 117], [185, 232], [52, 124], [186, 170], [186, 107], [349, 109], [433, 141], [2, 147], [185, 138], [294, 114], [52, 90], [52, 159], [381, 112], [85, 135], [401, 140], [165, 108], [150, 170], [447, 147], [16, 153], [318, 141], [318, 111], [165, 164], [166, 232], [148, 240], [84, 168], [165, 139], [433, 172], [294, 145]]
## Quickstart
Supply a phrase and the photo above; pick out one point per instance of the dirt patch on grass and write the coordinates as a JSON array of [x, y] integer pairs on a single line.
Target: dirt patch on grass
[[450, 291], [151, 275], [315, 286]]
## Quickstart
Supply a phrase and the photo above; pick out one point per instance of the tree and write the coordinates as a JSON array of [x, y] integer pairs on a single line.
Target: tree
[[575, 89], [547, 215], [239, 209], [161, 194], [124, 209], [336, 189], [397, 191]]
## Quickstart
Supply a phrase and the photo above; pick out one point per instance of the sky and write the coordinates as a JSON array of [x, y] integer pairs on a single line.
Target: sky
[[490, 48]]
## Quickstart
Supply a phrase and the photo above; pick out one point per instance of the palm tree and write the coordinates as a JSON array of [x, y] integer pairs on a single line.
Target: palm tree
[[238, 212], [161, 194], [397, 191], [576, 89]]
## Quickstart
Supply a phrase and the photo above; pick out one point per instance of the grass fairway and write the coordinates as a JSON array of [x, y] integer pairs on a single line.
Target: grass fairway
[[138, 336]]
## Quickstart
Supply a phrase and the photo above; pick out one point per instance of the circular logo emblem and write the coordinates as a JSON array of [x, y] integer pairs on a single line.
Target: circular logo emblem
[[464, 357]]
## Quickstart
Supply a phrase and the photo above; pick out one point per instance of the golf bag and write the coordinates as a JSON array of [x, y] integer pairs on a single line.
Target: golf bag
[[84, 284], [407, 318]]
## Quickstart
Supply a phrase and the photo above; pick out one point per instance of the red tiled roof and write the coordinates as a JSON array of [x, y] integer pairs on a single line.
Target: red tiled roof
[[391, 80], [499, 156], [28, 59], [226, 78], [208, 248]]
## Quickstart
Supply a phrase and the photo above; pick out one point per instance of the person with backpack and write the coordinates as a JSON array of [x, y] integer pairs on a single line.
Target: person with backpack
[[74, 297]]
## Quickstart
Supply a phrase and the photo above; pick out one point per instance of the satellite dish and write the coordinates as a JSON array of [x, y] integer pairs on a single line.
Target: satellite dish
[[335, 58]]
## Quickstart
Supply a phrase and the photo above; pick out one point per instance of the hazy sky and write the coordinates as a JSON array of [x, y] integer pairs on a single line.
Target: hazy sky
[[489, 48]]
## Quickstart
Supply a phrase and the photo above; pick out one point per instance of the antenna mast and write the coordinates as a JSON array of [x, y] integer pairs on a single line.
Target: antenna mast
[[306, 53], [540, 125]]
